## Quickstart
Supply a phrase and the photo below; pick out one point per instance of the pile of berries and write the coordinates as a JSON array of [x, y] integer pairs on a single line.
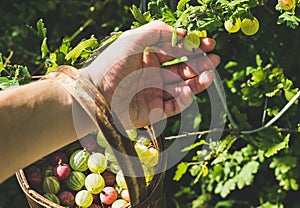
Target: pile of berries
[[86, 173]]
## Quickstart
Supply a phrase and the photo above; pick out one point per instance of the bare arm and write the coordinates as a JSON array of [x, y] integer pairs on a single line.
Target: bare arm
[[36, 119]]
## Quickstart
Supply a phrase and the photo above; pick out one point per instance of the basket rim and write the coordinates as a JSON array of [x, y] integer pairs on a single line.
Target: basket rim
[[32, 194]]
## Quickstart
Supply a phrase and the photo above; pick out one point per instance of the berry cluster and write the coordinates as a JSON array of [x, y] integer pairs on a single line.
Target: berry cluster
[[87, 174]]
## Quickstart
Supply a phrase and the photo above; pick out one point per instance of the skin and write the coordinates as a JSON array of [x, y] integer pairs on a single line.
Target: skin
[[37, 119]]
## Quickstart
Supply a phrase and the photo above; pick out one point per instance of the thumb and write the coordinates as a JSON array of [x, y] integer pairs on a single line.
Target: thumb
[[155, 32]]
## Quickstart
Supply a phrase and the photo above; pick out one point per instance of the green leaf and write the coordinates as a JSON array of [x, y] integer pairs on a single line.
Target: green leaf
[[75, 52], [289, 94], [6, 83], [228, 186], [246, 175], [137, 14], [44, 48], [226, 143], [181, 170], [193, 146], [41, 29], [277, 147], [259, 61], [181, 4], [1, 63]]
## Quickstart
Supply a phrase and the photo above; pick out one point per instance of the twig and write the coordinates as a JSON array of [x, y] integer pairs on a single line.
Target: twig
[[80, 29], [273, 120], [197, 133], [263, 119], [186, 134]]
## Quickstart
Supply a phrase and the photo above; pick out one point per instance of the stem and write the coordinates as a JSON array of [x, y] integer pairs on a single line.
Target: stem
[[80, 29], [263, 119], [8, 58], [197, 133], [273, 120]]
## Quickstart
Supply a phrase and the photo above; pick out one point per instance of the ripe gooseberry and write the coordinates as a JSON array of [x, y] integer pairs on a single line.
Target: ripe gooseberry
[[120, 179], [66, 198], [119, 203], [84, 198], [97, 162], [287, 5], [232, 25], [62, 170], [191, 41], [108, 195], [125, 195], [250, 26], [94, 183]]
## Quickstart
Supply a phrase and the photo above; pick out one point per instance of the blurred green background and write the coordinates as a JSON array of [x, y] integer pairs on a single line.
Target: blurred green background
[[64, 18]]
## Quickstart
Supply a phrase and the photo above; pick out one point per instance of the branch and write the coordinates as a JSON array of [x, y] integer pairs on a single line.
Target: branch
[[273, 120], [198, 133]]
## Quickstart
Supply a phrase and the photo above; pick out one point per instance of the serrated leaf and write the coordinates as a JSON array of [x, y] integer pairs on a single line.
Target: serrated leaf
[[137, 14], [289, 94], [75, 52], [228, 186], [181, 170], [277, 147], [181, 4], [246, 175], [41, 29]]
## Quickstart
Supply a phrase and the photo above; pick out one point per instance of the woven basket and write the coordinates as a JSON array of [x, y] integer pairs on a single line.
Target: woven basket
[[141, 196], [154, 198]]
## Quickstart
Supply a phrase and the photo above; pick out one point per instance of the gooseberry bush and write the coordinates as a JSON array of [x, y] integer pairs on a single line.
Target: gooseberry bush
[[255, 163]]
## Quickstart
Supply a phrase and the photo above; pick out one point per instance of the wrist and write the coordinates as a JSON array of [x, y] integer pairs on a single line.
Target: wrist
[[75, 85]]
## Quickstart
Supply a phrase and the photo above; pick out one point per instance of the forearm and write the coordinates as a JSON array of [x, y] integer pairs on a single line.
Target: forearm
[[36, 119]]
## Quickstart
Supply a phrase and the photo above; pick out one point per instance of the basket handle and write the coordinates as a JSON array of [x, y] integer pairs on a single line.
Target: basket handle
[[96, 106]]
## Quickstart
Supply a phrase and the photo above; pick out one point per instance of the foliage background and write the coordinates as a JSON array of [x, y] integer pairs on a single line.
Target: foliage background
[[276, 44]]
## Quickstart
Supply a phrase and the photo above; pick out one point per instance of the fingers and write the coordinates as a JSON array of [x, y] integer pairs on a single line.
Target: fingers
[[178, 104], [180, 96], [192, 68], [196, 84], [166, 52]]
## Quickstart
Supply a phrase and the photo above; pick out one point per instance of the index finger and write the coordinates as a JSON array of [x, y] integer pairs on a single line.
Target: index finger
[[154, 32]]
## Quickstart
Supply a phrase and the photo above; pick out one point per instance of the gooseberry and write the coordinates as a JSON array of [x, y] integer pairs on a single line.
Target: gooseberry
[[62, 170], [250, 26], [66, 198], [94, 183], [287, 5], [191, 41], [108, 195], [83, 198], [232, 25]]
